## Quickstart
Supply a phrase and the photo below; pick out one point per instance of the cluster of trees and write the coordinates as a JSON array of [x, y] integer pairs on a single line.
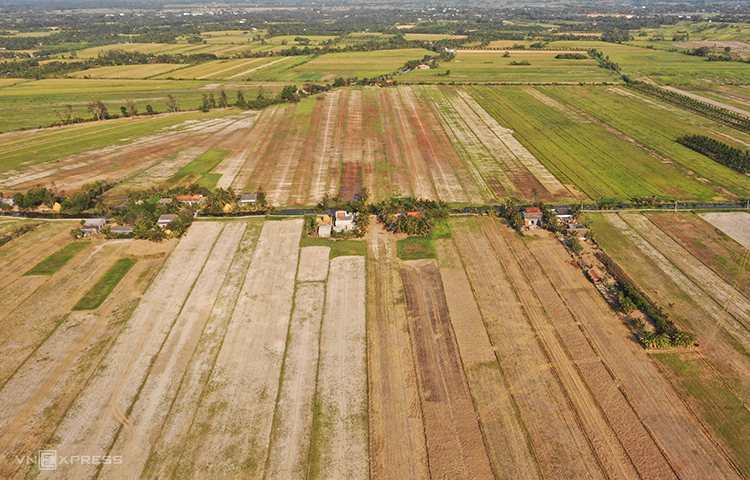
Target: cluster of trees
[[731, 157], [571, 56], [604, 62], [393, 214], [519, 62], [33, 69], [73, 204], [740, 122], [629, 298]]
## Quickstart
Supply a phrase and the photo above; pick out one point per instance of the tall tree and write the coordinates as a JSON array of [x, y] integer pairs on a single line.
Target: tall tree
[[98, 110]]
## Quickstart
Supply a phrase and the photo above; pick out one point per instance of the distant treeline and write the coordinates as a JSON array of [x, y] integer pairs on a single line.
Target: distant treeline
[[731, 157], [33, 69]]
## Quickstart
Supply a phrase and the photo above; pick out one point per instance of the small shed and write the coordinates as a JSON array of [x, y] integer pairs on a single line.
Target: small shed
[[166, 219], [423, 67], [532, 217], [565, 215], [121, 230], [324, 231], [164, 201], [247, 198], [92, 226]]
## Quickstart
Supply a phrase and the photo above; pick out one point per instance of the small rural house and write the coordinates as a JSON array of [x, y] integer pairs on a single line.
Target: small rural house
[[423, 67], [121, 230], [248, 198], [7, 201], [343, 221], [93, 225], [532, 217], [324, 231], [565, 215], [166, 219], [190, 199]]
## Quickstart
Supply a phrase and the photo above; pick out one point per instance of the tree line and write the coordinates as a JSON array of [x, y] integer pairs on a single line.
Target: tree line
[[720, 152]]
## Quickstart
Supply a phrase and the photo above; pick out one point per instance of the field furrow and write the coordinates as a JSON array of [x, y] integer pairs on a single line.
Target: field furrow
[[504, 434], [443, 177], [288, 456], [164, 459], [236, 413], [303, 175], [397, 442], [397, 173], [352, 156], [561, 446], [339, 437], [324, 148], [454, 441], [100, 411], [690, 451], [419, 176]]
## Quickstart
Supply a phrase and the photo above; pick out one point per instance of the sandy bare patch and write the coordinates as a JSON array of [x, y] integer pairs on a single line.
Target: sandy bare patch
[[734, 224], [313, 264]]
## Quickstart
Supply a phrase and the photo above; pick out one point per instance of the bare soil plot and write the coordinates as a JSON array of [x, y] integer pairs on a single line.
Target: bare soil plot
[[734, 224], [256, 143], [397, 173], [146, 417], [621, 441], [421, 184], [324, 148], [279, 186], [454, 441], [288, 455], [232, 428], [38, 394], [561, 446], [705, 242], [264, 171], [352, 155], [334, 172], [447, 186], [507, 444], [165, 457], [397, 442], [724, 294], [374, 161], [303, 176], [313, 264], [339, 438], [689, 450], [444, 145], [99, 413]]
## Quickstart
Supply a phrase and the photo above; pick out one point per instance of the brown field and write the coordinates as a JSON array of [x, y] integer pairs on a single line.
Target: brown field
[[420, 141], [234, 353]]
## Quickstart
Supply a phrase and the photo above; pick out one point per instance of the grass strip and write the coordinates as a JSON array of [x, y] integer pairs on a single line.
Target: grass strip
[[57, 260], [99, 292], [418, 248]]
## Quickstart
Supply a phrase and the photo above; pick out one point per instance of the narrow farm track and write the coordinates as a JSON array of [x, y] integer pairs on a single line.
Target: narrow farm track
[[96, 417], [690, 452], [324, 148], [340, 441], [236, 413], [397, 442], [447, 186], [454, 441], [561, 446], [504, 434]]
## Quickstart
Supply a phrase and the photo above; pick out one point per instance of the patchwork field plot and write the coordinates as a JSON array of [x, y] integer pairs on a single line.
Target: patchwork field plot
[[234, 352]]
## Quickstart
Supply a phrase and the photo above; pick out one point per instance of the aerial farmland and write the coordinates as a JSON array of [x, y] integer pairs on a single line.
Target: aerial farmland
[[282, 243]]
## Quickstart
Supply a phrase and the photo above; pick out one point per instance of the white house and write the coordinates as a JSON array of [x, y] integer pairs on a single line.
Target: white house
[[343, 221], [93, 225]]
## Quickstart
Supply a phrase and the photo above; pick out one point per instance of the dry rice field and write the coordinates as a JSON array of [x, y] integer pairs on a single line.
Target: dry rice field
[[424, 142], [235, 353]]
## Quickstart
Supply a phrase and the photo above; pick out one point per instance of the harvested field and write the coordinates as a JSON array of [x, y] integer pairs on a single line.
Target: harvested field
[[352, 154], [313, 264], [325, 148], [421, 184], [454, 441], [339, 436], [736, 225], [397, 442]]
